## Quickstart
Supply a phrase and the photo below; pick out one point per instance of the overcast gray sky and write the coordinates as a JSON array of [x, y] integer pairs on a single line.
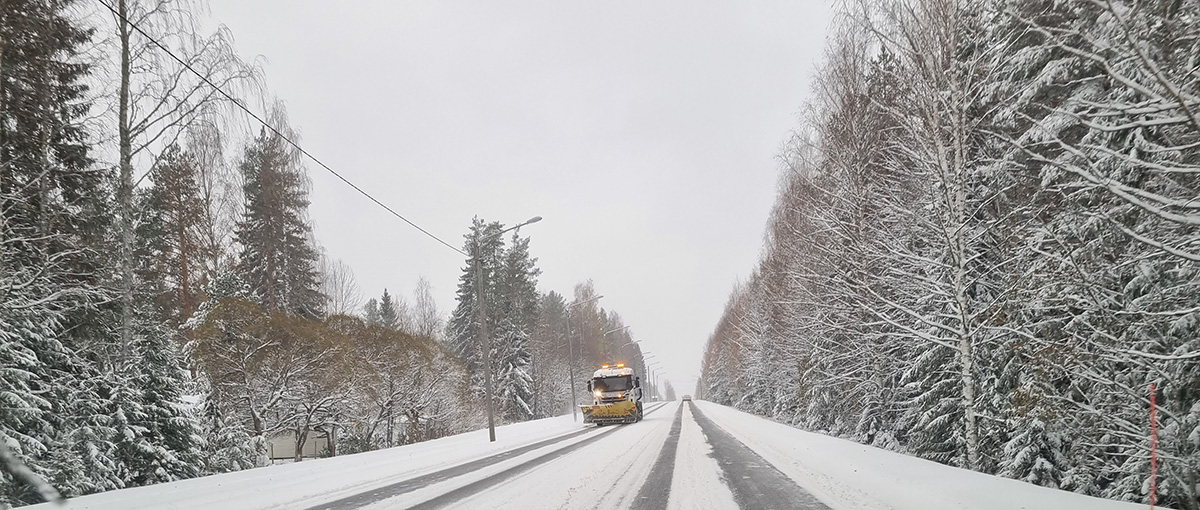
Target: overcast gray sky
[[644, 132]]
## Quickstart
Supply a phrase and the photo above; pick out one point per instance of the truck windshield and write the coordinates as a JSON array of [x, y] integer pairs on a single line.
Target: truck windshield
[[621, 383]]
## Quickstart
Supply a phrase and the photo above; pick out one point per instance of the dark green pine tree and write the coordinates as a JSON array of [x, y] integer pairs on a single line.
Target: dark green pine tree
[[173, 248], [276, 258], [52, 211]]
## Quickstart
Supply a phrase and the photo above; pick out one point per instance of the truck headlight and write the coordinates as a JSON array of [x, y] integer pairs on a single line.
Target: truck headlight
[[597, 393]]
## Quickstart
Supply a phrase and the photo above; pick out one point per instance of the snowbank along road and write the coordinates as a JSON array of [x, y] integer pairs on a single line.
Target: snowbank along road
[[681, 456]]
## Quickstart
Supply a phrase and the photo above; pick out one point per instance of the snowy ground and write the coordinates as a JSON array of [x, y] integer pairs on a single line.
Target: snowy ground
[[667, 461], [844, 474]]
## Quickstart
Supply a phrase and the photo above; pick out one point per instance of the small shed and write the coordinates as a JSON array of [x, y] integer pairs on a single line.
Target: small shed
[[282, 446]]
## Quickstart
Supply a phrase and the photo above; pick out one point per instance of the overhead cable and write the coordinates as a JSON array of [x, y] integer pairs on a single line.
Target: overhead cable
[[277, 132]]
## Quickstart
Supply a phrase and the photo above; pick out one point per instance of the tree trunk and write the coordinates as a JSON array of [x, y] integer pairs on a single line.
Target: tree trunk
[[332, 437], [185, 289], [125, 190], [301, 438], [391, 429]]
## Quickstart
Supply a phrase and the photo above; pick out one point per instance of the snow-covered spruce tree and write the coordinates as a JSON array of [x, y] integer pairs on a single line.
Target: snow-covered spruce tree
[[462, 331], [1112, 134], [1034, 454], [228, 445], [157, 436], [276, 259], [389, 314], [510, 299], [371, 312], [51, 203], [225, 284], [393, 312], [517, 306], [513, 383]]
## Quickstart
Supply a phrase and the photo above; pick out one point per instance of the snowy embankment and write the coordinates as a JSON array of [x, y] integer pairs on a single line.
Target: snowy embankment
[[848, 475], [312, 481]]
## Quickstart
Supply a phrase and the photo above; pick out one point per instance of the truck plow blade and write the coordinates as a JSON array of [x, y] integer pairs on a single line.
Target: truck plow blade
[[616, 412]]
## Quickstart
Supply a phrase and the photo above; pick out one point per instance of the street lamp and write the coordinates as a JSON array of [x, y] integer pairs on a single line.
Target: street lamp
[[483, 333], [616, 330], [622, 328], [654, 372], [571, 357]]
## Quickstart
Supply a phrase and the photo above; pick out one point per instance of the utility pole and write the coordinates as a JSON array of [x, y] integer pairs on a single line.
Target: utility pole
[[487, 340], [571, 370]]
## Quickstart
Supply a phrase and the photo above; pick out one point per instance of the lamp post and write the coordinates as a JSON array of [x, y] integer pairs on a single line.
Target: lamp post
[[646, 364], [483, 332], [571, 358], [654, 372]]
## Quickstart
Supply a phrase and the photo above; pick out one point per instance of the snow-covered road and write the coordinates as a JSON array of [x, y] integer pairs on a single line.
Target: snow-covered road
[[697, 455]]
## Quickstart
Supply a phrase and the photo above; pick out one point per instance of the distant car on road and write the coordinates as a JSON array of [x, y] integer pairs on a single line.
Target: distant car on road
[[687, 398]]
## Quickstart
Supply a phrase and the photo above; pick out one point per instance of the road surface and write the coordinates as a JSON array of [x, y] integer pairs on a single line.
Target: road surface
[[674, 458], [682, 456]]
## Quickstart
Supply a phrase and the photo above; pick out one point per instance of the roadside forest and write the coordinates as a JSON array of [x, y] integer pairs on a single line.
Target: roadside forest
[[166, 311], [985, 245]]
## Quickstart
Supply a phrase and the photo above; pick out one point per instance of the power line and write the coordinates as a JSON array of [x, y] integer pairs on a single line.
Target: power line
[[272, 128]]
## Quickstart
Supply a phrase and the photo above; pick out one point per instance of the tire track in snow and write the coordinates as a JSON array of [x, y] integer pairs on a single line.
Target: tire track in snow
[[479, 486], [656, 490], [395, 489], [754, 481], [369, 497]]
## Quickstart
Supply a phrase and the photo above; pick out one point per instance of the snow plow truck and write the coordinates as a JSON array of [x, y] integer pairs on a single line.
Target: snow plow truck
[[616, 396]]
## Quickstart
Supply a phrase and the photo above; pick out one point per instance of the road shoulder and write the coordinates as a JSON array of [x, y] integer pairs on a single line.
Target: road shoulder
[[755, 483]]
